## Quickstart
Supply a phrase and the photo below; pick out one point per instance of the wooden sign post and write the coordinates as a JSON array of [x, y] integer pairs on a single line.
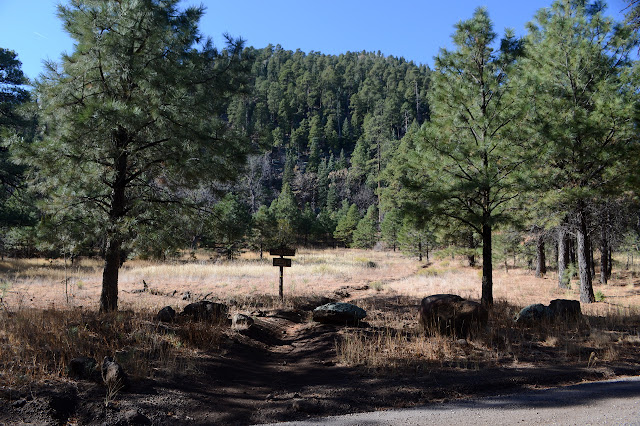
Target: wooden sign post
[[282, 263]]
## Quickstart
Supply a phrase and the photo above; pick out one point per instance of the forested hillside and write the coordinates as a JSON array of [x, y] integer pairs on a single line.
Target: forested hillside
[[509, 148]]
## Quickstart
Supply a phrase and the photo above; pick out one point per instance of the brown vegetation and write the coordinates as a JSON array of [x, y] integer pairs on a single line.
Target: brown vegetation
[[40, 332]]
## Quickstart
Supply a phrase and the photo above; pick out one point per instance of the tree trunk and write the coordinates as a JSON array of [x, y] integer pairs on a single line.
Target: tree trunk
[[572, 251], [604, 256], [420, 251], [586, 285], [472, 245], [592, 263], [610, 262], [109, 295], [113, 251], [487, 267], [541, 267], [563, 258]]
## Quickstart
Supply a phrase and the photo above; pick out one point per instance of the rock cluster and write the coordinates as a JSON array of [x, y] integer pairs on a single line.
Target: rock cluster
[[558, 309]]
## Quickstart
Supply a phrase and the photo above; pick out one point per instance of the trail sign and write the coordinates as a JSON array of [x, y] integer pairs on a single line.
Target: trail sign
[[281, 261], [282, 251]]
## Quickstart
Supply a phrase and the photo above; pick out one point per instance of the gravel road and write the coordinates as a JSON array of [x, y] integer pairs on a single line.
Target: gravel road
[[614, 402]]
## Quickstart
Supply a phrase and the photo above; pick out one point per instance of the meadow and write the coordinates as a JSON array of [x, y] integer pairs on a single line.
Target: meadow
[[49, 315]]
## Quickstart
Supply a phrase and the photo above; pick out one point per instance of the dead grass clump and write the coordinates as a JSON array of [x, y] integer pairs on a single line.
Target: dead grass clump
[[388, 349], [39, 343], [396, 344]]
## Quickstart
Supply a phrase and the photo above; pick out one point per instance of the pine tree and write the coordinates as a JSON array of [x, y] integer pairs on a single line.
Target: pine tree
[[229, 224], [347, 223], [131, 116], [365, 235], [471, 149], [579, 63]]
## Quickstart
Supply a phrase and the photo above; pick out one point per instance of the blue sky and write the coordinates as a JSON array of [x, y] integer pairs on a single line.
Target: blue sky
[[413, 29]]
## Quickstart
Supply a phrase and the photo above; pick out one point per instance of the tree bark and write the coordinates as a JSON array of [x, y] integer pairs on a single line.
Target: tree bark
[[592, 263], [541, 267], [109, 295], [610, 262], [604, 256], [472, 245], [572, 251], [586, 285], [563, 258], [487, 267], [113, 251]]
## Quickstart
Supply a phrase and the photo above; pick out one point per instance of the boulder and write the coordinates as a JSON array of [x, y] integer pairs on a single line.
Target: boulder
[[113, 374], [241, 321], [82, 367], [166, 314], [565, 309], [451, 314], [206, 311], [533, 314], [338, 313]]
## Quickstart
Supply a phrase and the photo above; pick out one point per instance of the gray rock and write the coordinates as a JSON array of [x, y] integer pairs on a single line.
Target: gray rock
[[338, 313], [113, 374], [186, 295], [451, 314], [241, 321], [135, 417], [206, 311], [82, 367], [166, 314], [533, 314]]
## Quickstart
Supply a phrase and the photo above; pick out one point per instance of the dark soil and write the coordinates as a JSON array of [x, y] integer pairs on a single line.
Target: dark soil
[[282, 368]]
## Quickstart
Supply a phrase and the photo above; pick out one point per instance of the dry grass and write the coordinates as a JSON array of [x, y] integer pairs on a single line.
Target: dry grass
[[39, 283], [39, 343], [47, 312]]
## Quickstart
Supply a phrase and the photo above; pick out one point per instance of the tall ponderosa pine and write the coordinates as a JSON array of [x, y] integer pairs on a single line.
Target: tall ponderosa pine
[[131, 116], [578, 66], [471, 148]]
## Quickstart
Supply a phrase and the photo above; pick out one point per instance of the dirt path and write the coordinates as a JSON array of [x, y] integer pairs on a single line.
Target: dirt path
[[283, 368]]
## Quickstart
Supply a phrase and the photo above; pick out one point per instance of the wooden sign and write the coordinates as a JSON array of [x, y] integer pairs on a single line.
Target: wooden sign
[[282, 251], [280, 261]]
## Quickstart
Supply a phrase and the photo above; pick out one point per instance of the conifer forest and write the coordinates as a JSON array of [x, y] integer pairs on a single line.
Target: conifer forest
[[147, 140]]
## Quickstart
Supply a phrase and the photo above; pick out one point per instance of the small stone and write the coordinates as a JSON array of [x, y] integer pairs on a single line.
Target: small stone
[[81, 367], [135, 417], [19, 403], [166, 314], [241, 321], [113, 374]]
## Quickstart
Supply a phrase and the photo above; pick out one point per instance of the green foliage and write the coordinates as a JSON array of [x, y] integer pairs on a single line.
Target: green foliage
[[287, 215], [472, 149], [263, 229], [229, 224], [390, 228], [347, 223], [131, 118], [580, 80], [366, 233]]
